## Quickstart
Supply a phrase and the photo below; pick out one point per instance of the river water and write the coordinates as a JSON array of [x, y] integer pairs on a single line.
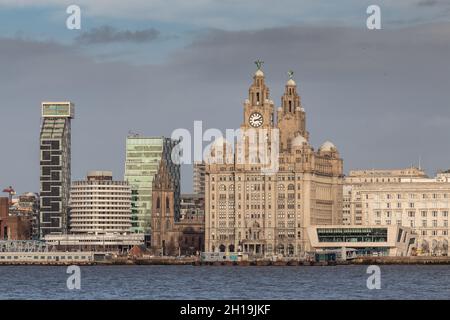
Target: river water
[[210, 282]]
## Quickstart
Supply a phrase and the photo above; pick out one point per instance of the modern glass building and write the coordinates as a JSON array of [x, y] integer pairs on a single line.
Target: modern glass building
[[55, 163], [143, 158]]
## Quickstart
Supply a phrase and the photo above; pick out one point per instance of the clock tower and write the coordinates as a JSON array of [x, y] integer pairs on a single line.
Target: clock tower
[[258, 108], [263, 205], [258, 124]]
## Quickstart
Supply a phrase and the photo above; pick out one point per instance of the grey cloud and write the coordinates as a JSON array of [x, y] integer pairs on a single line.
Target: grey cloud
[[378, 95], [108, 34], [427, 3]]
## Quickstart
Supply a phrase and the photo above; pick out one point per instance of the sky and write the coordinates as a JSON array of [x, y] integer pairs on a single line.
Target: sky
[[153, 66]]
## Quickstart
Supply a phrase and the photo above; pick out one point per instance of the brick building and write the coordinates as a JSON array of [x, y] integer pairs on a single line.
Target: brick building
[[13, 227]]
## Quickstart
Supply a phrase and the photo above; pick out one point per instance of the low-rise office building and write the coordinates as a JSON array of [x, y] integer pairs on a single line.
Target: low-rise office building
[[120, 243], [364, 241]]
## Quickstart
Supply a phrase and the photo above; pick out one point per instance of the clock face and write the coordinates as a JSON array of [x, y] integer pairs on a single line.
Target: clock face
[[256, 120]]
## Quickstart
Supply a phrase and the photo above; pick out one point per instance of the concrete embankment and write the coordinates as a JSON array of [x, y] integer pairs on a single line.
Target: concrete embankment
[[401, 260], [46, 264], [260, 263]]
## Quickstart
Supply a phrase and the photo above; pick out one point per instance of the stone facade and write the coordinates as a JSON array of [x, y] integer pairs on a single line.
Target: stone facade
[[421, 203], [266, 212]]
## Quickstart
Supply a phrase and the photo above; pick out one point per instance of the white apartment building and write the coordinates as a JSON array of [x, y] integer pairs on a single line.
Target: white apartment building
[[99, 205]]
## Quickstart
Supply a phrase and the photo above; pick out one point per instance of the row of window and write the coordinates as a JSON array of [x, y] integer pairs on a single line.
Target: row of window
[[410, 196], [412, 214], [256, 178]]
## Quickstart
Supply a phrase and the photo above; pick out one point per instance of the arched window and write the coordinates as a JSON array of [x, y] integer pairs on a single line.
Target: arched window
[[158, 203], [167, 203], [291, 187]]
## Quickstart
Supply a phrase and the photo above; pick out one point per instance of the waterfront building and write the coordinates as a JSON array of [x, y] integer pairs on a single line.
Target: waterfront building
[[173, 233], [27, 206], [55, 163], [383, 175], [266, 212], [423, 204], [352, 207], [100, 205], [106, 242], [199, 178], [4, 212], [143, 158], [13, 226], [353, 241]]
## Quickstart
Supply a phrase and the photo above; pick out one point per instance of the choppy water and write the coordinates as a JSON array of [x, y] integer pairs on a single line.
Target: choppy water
[[191, 283]]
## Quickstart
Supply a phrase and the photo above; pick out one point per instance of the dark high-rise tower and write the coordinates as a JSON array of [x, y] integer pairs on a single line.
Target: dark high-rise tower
[[55, 158]]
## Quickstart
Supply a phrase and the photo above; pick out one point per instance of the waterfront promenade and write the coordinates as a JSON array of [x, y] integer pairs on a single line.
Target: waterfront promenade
[[106, 260]]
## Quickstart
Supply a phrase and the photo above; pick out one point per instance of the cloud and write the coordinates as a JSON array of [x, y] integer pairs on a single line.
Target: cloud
[[108, 34], [237, 14], [428, 3], [376, 95]]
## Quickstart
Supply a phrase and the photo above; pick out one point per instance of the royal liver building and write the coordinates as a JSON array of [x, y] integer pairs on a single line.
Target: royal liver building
[[264, 188]]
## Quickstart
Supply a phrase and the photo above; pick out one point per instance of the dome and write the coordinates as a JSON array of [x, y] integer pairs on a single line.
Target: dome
[[299, 141], [327, 146], [259, 73], [291, 82]]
